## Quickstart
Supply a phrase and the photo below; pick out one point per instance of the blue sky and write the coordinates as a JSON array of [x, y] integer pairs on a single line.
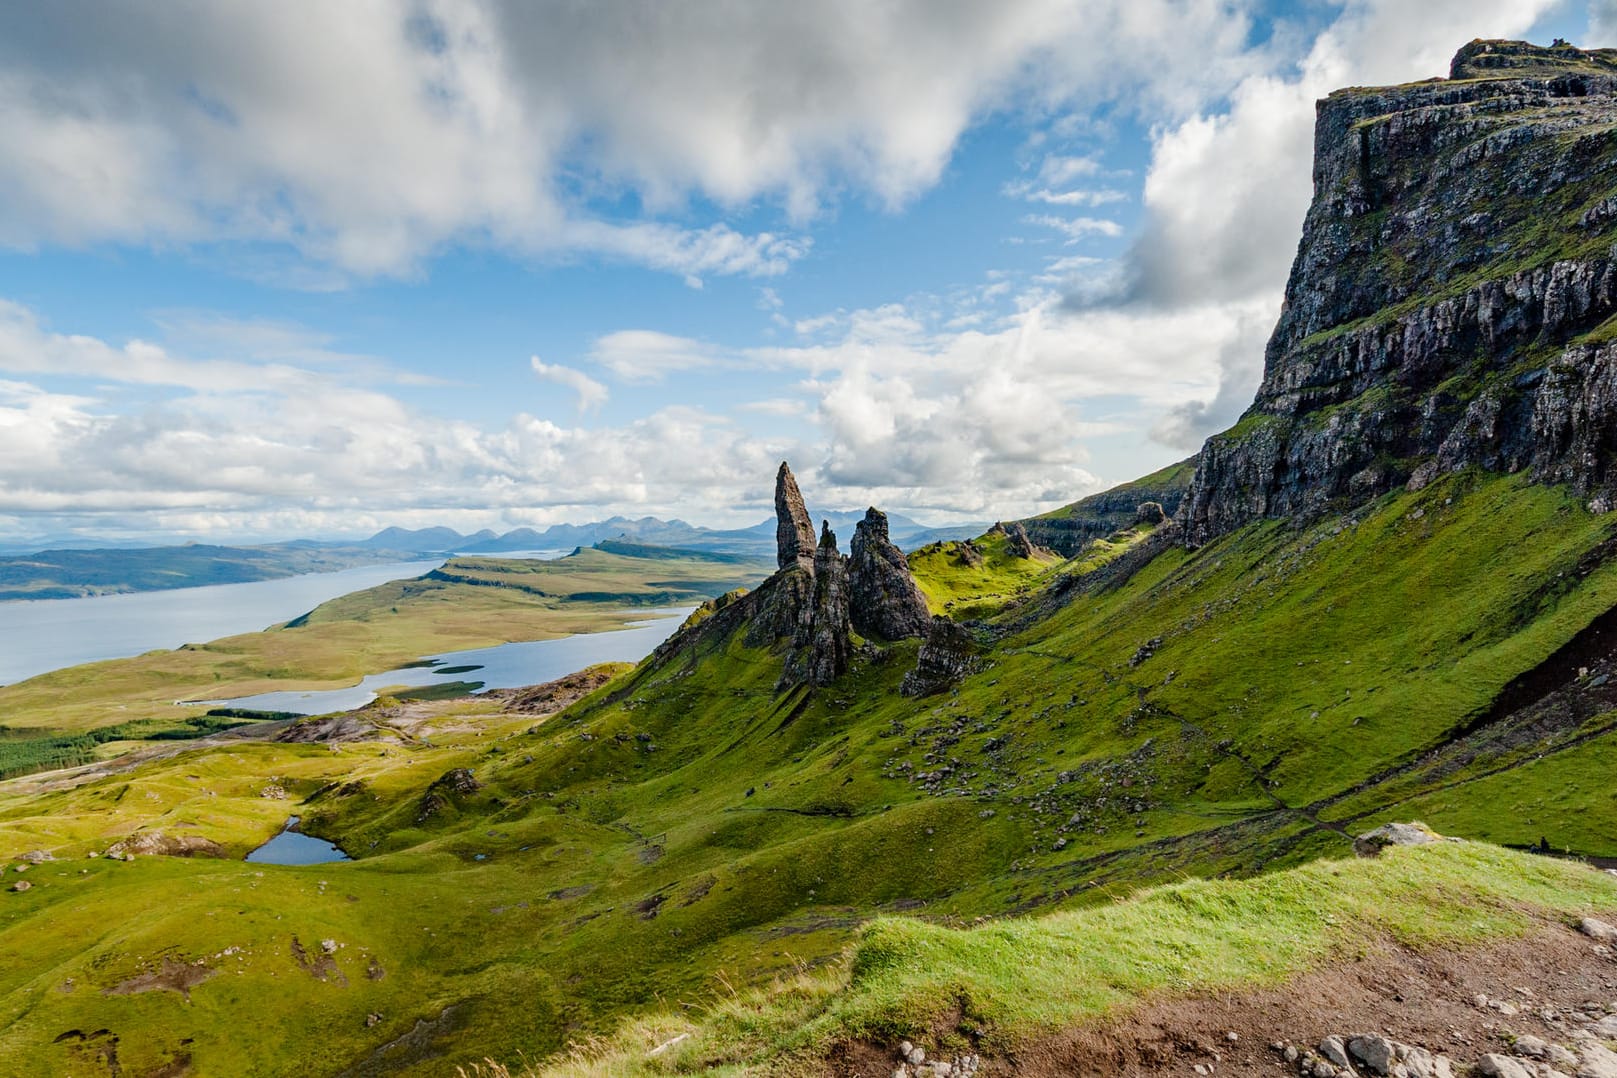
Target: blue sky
[[268, 272]]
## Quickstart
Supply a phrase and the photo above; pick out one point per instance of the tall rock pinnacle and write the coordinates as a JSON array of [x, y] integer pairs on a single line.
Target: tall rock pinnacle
[[794, 531], [821, 646], [883, 598]]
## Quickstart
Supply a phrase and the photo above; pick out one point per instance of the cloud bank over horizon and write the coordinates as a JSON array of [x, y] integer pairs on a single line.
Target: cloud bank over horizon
[[1146, 162]]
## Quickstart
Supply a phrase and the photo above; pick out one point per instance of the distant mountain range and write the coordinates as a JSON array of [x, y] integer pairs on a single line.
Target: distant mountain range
[[652, 531]]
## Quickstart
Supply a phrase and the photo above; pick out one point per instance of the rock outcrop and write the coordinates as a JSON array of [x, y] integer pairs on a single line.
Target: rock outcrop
[[812, 605], [949, 655], [1448, 305], [821, 645], [158, 844], [794, 531], [1018, 545], [1371, 843], [884, 602]]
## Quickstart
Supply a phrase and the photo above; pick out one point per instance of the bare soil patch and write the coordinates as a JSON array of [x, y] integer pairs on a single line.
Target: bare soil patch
[[1555, 980]]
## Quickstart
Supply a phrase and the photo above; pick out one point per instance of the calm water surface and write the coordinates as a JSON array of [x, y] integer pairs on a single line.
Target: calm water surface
[[292, 847], [39, 635], [507, 666]]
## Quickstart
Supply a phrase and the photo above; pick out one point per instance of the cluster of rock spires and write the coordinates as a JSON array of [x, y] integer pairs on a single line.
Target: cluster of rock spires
[[817, 600], [872, 593], [1449, 303]]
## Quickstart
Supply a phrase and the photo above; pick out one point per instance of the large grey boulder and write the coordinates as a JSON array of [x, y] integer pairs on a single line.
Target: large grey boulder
[[1373, 842]]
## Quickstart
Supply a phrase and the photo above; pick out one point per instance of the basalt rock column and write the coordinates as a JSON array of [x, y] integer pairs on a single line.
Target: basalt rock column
[[884, 601], [794, 531], [821, 646]]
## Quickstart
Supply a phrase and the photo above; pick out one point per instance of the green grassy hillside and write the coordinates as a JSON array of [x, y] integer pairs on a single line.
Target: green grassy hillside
[[992, 987], [1220, 712]]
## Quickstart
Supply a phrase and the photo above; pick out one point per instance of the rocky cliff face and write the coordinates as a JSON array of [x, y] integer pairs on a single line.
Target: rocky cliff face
[[1450, 300], [885, 603]]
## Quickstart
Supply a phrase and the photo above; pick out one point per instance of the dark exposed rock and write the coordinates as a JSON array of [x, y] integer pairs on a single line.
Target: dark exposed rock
[[949, 655], [553, 696], [794, 531], [812, 604], [1493, 59], [781, 600], [460, 781], [884, 601], [821, 645], [1439, 315], [1018, 544], [970, 554], [1150, 513]]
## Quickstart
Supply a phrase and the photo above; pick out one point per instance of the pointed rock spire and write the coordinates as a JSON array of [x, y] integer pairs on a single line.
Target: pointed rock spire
[[794, 531], [821, 646], [884, 601]]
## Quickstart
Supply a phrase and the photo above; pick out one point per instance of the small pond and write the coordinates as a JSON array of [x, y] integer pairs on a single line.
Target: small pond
[[293, 847]]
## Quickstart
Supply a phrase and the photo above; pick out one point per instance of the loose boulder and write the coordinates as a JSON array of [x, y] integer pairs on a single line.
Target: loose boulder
[[1372, 843]]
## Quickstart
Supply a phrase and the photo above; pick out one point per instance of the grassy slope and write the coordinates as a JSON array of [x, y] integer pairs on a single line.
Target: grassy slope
[[1174, 477], [962, 590], [688, 827], [1017, 979]]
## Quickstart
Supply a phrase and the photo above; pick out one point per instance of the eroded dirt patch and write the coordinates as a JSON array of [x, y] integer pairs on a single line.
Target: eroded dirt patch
[[1446, 1001], [320, 964], [172, 976]]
